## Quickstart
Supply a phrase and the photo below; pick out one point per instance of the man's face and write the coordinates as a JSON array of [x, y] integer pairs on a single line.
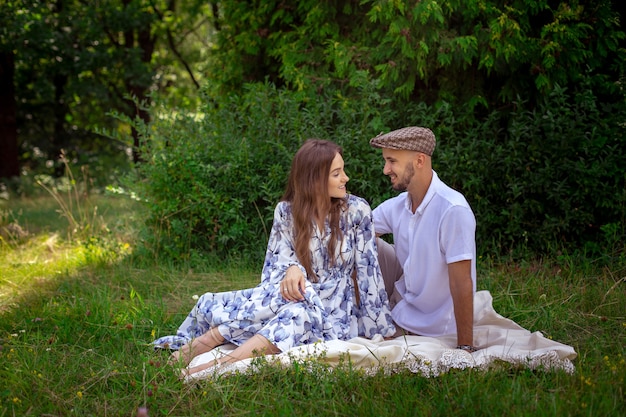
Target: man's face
[[399, 167]]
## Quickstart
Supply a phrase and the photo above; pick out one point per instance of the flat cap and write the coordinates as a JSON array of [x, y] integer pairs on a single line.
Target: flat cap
[[413, 138]]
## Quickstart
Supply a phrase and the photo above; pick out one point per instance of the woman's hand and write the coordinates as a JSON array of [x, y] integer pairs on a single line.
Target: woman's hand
[[293, 285]]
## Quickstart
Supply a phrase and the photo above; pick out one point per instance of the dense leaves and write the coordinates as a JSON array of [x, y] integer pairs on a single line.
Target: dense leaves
[[75, 61], [526, 99], [481, 52], [539, 180]]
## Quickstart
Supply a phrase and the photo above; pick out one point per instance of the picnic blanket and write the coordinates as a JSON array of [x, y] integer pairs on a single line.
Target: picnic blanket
[[499, 339]]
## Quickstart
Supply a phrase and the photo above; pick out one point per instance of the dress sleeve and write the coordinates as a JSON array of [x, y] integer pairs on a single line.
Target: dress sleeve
[[373, 313], [281, 253]]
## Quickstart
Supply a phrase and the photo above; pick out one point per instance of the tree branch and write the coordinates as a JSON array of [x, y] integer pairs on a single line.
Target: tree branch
[[171, 43]]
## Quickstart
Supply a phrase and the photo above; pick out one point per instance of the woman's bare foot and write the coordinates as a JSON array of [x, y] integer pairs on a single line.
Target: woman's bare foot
[[255, 346], [201, 344], [190, 371], [175, 359]]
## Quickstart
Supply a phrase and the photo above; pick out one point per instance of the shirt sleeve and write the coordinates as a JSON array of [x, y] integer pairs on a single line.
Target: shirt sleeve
[[458, 232], [281, 253], [373, 313], [380, 219], [386, 214]]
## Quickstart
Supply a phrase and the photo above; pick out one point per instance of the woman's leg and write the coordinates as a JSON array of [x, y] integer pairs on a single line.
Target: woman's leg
[[255, 346], [201, 344]]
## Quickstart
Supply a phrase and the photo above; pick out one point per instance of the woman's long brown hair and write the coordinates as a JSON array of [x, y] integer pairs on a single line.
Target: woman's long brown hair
[[307, 191]]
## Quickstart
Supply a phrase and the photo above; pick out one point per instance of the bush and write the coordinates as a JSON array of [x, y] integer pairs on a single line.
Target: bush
[[544, 179], [212, 181], [539, 179]]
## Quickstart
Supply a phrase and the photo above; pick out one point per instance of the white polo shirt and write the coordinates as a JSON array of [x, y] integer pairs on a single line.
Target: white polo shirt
[[440, 232]]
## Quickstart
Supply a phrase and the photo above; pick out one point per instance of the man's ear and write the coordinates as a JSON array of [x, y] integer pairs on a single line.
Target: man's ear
[[419, 159]]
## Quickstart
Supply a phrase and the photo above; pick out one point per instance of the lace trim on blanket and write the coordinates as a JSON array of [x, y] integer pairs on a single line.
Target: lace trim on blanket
[[450, 359]]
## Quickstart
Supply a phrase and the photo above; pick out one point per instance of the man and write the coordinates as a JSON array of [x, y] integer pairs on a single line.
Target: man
[[430, 271]]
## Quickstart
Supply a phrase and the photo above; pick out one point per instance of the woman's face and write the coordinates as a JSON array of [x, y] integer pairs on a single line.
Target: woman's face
[[337, 178]]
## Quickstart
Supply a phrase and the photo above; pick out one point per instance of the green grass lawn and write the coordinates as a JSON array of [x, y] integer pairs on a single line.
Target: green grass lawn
[[78, 310]]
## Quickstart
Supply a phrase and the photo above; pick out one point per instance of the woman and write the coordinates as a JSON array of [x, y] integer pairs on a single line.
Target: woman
[[321, 244]]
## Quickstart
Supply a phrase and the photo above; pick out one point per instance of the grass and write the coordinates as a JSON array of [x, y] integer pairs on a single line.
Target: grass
[[78, 309]]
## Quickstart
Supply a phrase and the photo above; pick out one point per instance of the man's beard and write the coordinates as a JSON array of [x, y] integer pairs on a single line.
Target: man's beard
[[402, 185]]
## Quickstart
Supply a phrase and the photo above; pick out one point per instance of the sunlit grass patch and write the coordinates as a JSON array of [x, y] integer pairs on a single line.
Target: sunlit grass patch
[[35, 265], [49, 245]]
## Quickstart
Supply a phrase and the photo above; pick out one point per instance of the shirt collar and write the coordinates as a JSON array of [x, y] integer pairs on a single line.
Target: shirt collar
[[430, 193]]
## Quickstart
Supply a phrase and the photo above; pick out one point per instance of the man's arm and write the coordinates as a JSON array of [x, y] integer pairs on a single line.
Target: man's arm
[[461, 289]]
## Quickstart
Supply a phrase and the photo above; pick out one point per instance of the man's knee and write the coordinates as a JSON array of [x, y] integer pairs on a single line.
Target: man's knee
[[389, 265]]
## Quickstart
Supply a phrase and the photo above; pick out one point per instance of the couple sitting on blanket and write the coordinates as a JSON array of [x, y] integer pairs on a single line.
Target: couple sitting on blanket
[[322, 279]]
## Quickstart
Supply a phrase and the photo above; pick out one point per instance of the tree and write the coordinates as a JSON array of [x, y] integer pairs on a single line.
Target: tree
[[76, 61], [524, 95], [9, 166], [481, 52], [9, 161], [494, 51]]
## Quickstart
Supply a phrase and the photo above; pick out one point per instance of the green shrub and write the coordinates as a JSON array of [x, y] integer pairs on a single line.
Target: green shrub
[[546, 178], [539, 179], [212, 180]]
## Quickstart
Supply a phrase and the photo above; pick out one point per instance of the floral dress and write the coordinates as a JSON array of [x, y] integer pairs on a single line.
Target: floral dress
[[329, 309]]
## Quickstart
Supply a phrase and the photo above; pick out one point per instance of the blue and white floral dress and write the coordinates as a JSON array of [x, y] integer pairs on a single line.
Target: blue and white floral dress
[[329, 309]]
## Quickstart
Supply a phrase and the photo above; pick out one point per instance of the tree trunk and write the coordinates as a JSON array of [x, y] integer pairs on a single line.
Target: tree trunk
[[9, 156], [146, 43], [60, 137]]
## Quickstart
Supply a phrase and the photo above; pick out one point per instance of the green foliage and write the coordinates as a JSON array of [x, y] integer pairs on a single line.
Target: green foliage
[[538, 83], [481, 52], [542, 171], [546, 178], [76, 62], [491, 51], [539, 179], [213, 179]]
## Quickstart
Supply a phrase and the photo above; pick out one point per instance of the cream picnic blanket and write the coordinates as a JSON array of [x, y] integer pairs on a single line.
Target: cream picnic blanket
[[499, 339]]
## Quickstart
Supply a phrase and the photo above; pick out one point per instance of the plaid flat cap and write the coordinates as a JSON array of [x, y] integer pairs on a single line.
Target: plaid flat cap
[[413, 138]]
